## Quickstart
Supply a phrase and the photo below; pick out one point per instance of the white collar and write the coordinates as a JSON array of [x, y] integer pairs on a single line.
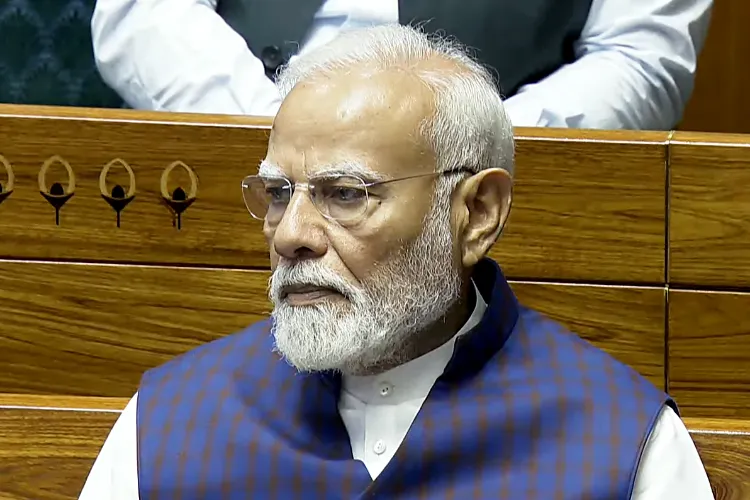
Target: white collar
[[412, 380]]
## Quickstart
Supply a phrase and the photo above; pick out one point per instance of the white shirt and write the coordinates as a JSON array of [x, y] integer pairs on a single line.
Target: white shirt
[[378, 411], [635, 64]]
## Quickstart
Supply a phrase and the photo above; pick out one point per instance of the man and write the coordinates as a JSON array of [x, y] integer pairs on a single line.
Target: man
[[604, 64], [411, 371]]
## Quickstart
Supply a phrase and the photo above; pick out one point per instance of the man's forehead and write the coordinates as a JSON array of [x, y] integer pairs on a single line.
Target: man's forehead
[[385, 104], [354, 92], [372, 121]]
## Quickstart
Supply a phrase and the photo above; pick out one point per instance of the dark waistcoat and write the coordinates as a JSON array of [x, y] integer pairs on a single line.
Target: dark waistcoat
[[523, 40], [524, 409]]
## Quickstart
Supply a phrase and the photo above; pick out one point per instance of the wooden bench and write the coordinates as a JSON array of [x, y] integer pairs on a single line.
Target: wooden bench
[[621, 236], [87, 306], [709, 274], [49, 443], [724, 447]]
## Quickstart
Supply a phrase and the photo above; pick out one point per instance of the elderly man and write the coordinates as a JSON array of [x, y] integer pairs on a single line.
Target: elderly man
[[397, 362]]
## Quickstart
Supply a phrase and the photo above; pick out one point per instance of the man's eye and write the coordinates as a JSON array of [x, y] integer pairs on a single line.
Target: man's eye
[[277, 193], [346, 194]]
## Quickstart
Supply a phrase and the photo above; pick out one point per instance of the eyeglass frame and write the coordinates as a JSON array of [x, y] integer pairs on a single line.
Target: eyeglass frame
[[366, 185]]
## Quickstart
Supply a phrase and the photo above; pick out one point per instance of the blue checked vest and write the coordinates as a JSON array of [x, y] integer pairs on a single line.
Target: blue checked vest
[[524, 410]]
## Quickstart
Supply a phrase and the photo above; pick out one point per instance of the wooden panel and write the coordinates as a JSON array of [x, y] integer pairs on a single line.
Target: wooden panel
[[93, 329], [62, 402], [709, 353], [48, 447], [720, 102], [215, 229], [626, 322], [724, 447], [588, 205], [709, 222]]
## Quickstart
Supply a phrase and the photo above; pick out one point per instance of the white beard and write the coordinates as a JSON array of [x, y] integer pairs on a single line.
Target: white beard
[[401, 297]]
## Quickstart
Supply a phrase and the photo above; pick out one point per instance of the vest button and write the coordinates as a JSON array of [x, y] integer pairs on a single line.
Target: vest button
[[272, 58]]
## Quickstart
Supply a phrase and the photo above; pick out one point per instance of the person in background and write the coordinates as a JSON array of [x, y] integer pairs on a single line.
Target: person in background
[[397, 363], [605, 64]]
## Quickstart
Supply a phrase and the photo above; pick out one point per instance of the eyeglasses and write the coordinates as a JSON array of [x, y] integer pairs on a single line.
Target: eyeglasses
[[343, 198]]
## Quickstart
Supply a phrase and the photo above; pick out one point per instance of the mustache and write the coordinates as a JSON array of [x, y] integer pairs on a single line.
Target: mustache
[[307, 273]]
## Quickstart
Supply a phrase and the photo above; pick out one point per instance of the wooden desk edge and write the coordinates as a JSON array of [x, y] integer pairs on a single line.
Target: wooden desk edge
[[132, 116], [739, 427], [709, 139], [29, 402], [521, 133], [219, 120]]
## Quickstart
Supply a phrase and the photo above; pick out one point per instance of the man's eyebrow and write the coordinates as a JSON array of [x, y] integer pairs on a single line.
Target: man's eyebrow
[[268, 169], [271, 170], [349, 168]]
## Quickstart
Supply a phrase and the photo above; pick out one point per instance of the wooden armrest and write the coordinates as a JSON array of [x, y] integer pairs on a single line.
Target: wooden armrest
[[724, 447]]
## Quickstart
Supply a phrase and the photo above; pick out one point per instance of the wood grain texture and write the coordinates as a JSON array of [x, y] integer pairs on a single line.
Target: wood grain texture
[[724, 447], [588, 205], [46, 454], [709, 223], [720, 101], [709, 353], [94, 329], [626, 322], [61, 402]]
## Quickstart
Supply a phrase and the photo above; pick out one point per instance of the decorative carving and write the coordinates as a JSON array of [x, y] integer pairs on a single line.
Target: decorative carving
[[56, 194], [7, 189], [117, 197], [178, 200]]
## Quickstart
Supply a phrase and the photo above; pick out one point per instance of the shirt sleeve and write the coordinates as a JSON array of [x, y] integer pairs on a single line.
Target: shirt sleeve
[[634, 69], [114, 475], [179, 55], [670, 467]]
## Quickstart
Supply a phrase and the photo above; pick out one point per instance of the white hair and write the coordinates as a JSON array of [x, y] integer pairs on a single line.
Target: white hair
[[469, 127]]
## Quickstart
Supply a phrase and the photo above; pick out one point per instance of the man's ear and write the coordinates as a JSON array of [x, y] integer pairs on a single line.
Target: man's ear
[[483, 203]]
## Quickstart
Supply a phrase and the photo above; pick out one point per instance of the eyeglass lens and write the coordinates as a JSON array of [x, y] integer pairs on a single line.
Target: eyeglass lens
[[342, 198]]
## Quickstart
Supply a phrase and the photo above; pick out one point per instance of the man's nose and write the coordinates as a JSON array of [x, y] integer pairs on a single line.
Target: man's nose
[[301, 232]]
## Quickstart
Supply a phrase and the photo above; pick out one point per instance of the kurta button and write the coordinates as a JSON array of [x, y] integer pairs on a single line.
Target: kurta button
[[379, 447], [271, 57], [385, 389]]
